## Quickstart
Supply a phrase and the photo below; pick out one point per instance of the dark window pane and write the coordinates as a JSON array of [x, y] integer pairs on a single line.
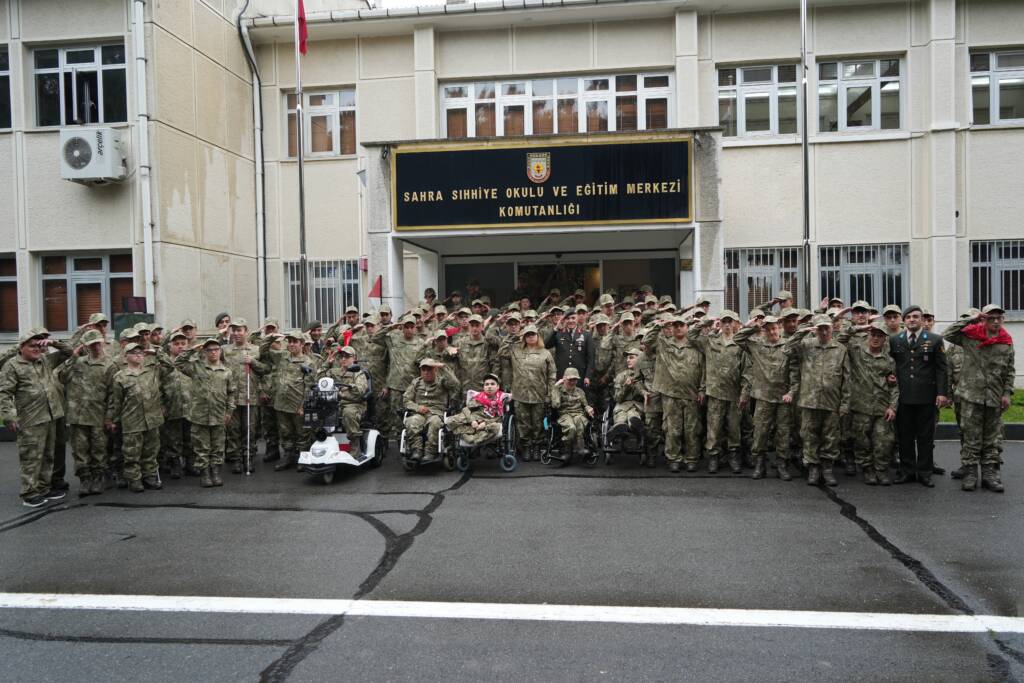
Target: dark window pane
[[567, 86], [88, 300], [113, 54], [979, 61], [568, 120], [513, 89], [8, 306], [89, 264], [292, 151], [115, 96], [542, 88], [80, 56], [5, 61], [5, 102], [88, 92], [726, 77], [348, 132], [889, 107], [597, 116], [787, 73], [890, 67], [657, 114], [543, 117], [828, 109], [54, 265], [625, 83], [592, 84], [48, 100], [455, 91], [8, 266], [827, 71], [485, 120], [514, 120], [120, 263], [55, 305], [456, 122], [727, 112], [625, 113], [757, 74], [46, 59], [120, 288], [656, 81], [485, 91]]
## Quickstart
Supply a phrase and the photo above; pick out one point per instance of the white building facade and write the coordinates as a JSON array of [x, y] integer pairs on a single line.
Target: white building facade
[[915, 124]]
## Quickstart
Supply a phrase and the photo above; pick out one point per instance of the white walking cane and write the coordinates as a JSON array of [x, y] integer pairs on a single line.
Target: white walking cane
[[248, 422]]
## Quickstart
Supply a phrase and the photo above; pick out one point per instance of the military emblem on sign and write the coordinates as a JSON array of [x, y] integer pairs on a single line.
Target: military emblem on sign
[[538, 166]]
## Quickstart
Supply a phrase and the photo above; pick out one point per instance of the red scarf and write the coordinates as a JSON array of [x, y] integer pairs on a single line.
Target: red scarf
[[977, 332], [492, 407]]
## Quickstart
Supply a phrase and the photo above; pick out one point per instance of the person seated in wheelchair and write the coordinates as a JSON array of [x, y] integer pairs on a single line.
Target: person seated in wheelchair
[[573, 412], [353, 388], [480, 421], [425, 400], [629, 399]]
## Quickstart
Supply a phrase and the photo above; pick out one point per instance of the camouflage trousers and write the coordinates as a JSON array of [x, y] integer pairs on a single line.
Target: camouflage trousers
[[530, 423], [208, 444], [290, 430], [625, 411], [654, 437], [241, 435], [268, 427], [175, 441], [747, 424], [89, 449], [819, 431], [873, 441], [415, 426], [35, 452], [573, 428], [395, 407], [461, 425], [350, 417], [982, 430], [681, 423], [60, 451], [773, 423], [723, 426], [141, 450]]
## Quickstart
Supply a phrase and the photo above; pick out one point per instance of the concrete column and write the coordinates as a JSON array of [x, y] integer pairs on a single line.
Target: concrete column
[[425, 82], [385, 251], [709, 243], [687, 86]]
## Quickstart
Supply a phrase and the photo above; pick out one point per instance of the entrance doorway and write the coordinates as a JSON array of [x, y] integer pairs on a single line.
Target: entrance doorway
[[535, 280]]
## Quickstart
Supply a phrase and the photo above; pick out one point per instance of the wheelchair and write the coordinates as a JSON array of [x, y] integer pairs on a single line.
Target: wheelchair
[[445, 448], [502, 447], [611, 445], [553, 447]]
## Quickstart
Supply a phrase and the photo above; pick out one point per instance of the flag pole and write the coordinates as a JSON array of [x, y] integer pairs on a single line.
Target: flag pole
[[805, 257], [304, 315]]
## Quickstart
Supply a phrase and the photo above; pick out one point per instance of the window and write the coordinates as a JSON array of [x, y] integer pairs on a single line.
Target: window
[[80, 85], [329, 123], [545, 106], [876, 273], [859, 95], [997, 87], [5, 88], [997, 275], [757, 100], [8, 294], [753, 276], [76, 286], [333, 286]]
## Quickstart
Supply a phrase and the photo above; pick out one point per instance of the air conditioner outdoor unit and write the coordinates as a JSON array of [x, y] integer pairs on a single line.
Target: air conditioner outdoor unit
[[92, 156]]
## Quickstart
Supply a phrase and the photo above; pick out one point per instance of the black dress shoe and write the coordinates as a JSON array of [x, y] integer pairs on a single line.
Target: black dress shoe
[[926, 480], [904, 477]]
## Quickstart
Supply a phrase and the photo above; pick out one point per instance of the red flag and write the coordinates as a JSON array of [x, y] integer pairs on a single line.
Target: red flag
[[375, 291], [303, 31]]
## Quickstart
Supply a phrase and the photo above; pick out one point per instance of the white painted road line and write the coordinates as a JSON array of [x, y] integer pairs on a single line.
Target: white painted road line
[[938, 623]]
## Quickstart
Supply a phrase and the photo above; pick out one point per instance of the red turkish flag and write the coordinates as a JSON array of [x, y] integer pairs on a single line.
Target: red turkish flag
[[303, 31], [375, 291]]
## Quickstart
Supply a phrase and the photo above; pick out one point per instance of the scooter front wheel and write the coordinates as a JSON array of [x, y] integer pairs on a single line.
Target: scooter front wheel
[[328, 477], [508, 463]]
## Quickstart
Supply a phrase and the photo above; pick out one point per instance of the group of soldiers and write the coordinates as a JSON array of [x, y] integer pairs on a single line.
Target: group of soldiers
[[852, 385]]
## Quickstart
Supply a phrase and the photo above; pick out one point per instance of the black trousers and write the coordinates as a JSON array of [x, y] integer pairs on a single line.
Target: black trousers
[[915, 429]]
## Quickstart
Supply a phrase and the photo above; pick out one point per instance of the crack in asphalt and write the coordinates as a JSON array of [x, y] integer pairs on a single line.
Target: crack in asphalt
[[29, 517], [116, 640], [395, 546]]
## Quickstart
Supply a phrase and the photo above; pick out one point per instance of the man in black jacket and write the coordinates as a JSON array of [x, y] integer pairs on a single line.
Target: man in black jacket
[[573, 346], [924, 384]]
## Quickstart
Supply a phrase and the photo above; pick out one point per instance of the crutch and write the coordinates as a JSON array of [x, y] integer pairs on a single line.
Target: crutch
[[248, 423]]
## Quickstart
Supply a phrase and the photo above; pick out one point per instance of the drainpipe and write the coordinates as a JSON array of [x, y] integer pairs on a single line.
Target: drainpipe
[[257, 116], [144, 168]]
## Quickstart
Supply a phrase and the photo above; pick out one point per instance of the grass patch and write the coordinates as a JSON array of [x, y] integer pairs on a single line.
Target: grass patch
[[1015, 413]]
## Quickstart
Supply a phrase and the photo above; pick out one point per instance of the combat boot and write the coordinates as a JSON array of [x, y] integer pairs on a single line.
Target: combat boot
[[870, 478], [652, 459], [204, 478], [883, 478], [990, 479], [84, 487], [97, 485], [758, 467], [970, 478], [355, 450], [236, 467], [176, 469], [135, 486], [191, 469], [152, 483], [958, 473], [782, 470], [712, 464], [827, 476], [215, 476], [674, 466], [813, 475], [272, 455], [691, 467], [288, 462], [119, 481], [735, 464], [850, 465]]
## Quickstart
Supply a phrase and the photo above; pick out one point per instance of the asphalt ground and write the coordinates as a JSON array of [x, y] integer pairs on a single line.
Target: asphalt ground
[[606, 536]]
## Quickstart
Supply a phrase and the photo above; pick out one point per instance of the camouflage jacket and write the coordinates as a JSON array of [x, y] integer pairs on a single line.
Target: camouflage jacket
[[234, 359], [629, 393], [614, 345], [955, 364], [213, 389], [870, 391], [602, 360], [767, 373], [817, 373], [678, 367], [477, 358], [134, 400], [532, 369], [292, 377], [986, 375], [87, 384], [724, 363], [569, 402], [29, 393], [352, 386], [401, 357], [433, 395], [175, 392]]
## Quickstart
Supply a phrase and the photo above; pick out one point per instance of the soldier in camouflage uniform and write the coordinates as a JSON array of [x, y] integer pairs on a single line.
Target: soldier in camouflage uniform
[[30, 403], [653, 407], [679, 380], [267, 418], [818, 385], [573, 411], [629, 399], [621, 335], [480, 421], [87, 377], [724, 365], [985, 388], [134, 405], [374, 359], [532, 369], [293, 377], [426, 399], [874, 399], [439, 349], [353, 388], [175, 435], [243, 359], [477, 358], [212, 403], [402, 348], [766, 381], [600, 383]]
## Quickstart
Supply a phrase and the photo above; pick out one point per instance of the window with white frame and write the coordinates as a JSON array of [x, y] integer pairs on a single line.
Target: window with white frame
[[861, 94], [328, 123], [333, 286], [876, 273], [997, 275], [76, 286], [757, 100], [80, 84], [754, 276], [5, 88], [8, 294], [564, 104], [997, 87]]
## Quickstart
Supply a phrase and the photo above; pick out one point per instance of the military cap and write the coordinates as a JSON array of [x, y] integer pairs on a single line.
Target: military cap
[[631, 351], [529, 329], [39, 332], [351, 309], [454, 293], [665, 299], [130, 348], [240, 323], [514, 315], [429, 363], [993, 308], [860, 305], [927, 312], [571, 373], [833, 312], [600, 319], [892, 308], [476, 302], [580, 292], [879, 326], [465, 311], [294, 334], [372, 320], [177, 334], [757, 313], [485, 300], [211, 341], [440, 334], [670, 307], [627, 316], [804, 313], [128, 333], [697, 313], [476, 318], [650, 299], [836, 299], [92, 337], [384, 308], [306, 339], [821, 321], [910, 309], [530, 314], [606, 299], [627, 300], [97, 318], [188, 322], [680, 320], [141, 327], [701, 300], [347, 351], [728, 315], [786, 312], [640, 333], [771, 319], [646, 289], [440, 309], [556, 291], [971, 313], [156, 326], [783, 294], [29, 336], [418, 311], [408, 320], [491, 375], [268, 322], [557, 307], [312, 325], [582, 308]]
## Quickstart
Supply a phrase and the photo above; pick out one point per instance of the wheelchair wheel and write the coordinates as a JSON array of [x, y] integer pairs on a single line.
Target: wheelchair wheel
[[508, 463], [328, 477], [379, 450], [607, 458], [545, 456], [462, 461], [591, 459], [448, 460]]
